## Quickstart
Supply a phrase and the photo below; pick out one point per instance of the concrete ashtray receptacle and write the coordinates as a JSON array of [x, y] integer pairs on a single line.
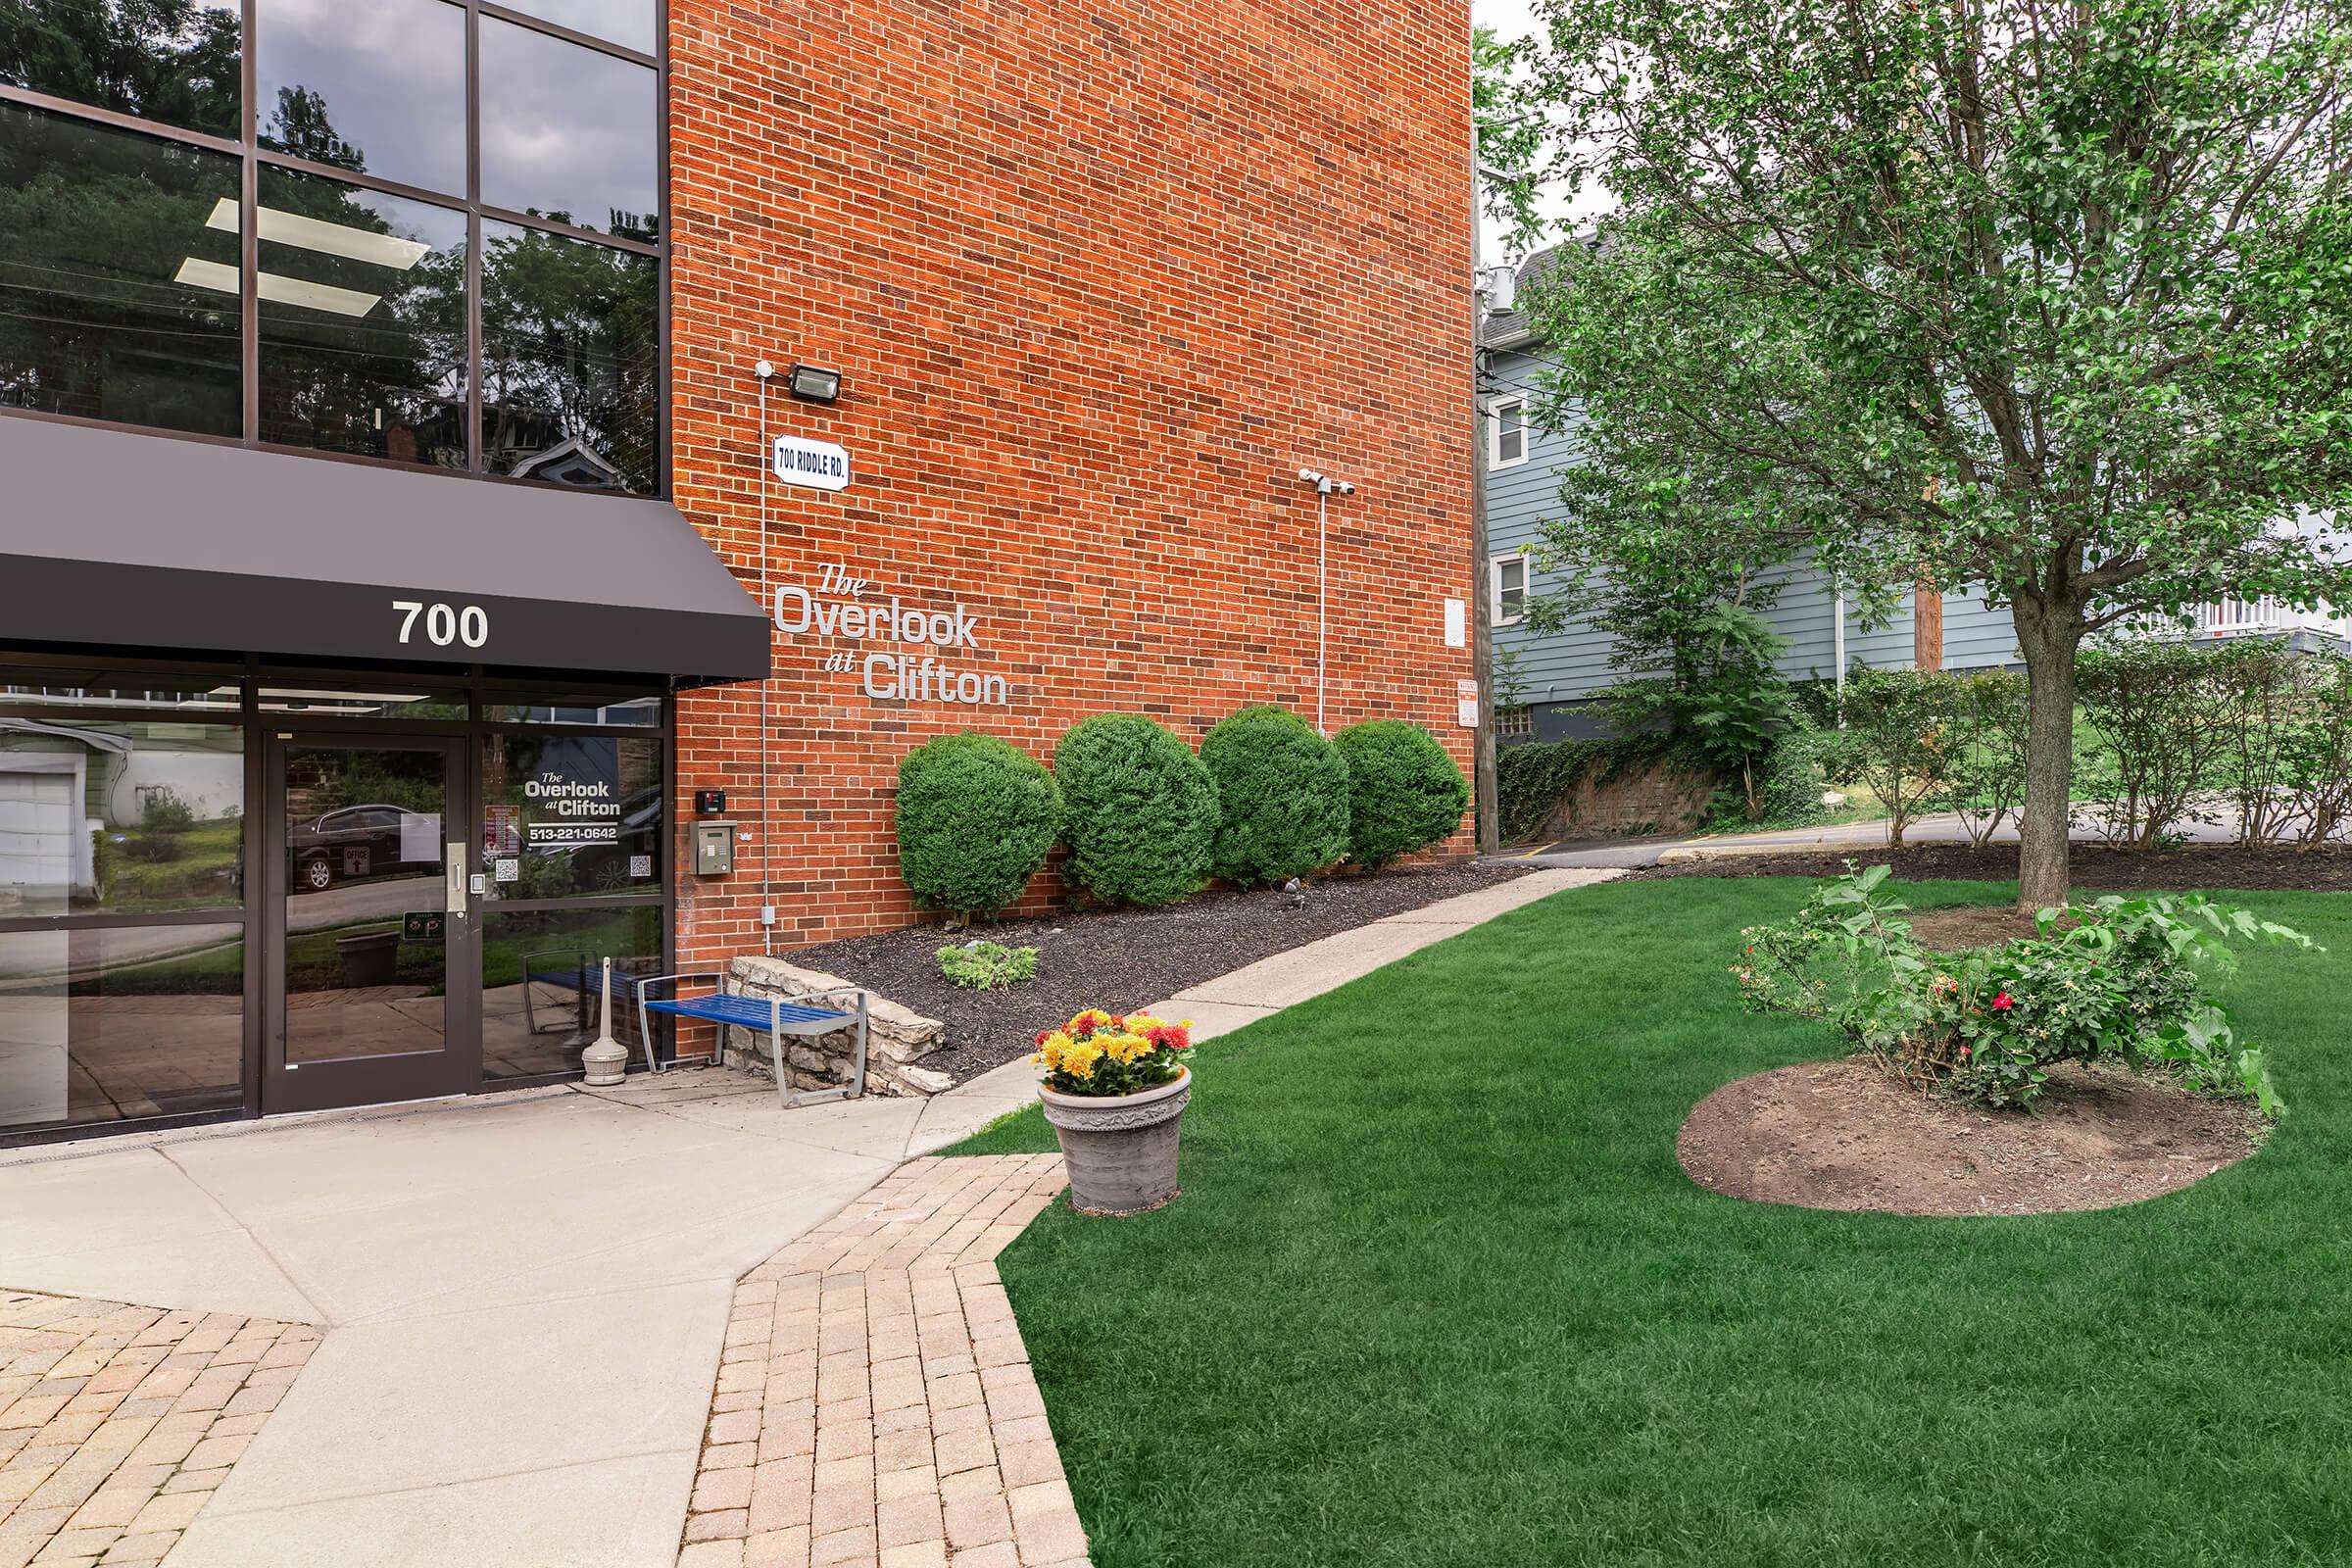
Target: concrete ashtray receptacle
[[369, 959], [1120, 1149]]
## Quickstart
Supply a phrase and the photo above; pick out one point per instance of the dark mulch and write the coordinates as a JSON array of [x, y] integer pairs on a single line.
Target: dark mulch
[[1973, 925], [1845, 1135], [2097, 867], [1120, 958]]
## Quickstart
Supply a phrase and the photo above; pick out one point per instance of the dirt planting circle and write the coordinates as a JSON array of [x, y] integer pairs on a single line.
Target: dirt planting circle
[[1847, 1136]]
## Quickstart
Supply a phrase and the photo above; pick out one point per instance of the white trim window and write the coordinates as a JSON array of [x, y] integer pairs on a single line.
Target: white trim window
[[1514, 723], [1507, 577], [1506, 432]]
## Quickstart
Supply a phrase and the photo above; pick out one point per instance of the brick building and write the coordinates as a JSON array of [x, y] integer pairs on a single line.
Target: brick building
[[400, 522]]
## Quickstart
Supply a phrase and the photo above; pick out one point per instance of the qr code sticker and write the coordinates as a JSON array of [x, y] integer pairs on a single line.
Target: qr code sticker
[[641, 866]]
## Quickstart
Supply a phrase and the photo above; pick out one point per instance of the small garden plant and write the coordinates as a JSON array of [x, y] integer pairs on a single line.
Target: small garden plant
[[1099, 1054], [2120, 979], [987, 966]]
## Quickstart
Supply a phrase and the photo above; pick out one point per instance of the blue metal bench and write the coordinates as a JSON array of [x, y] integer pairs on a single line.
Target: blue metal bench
[[774, 1017]]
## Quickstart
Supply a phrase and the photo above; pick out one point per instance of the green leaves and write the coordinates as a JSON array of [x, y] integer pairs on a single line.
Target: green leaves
[[2052, 299], [2116, 978]]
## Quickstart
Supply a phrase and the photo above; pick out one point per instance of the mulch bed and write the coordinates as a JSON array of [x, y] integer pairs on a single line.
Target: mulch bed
[[1973, 925], [1846, 1134], [2096, 866], [1120, 958]]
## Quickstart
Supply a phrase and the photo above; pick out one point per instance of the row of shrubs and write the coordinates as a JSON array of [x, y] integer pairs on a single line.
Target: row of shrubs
[[1147, 821], [2167, 735]]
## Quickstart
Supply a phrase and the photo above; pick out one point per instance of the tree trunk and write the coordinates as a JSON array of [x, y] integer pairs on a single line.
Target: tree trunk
[[2051, 641]]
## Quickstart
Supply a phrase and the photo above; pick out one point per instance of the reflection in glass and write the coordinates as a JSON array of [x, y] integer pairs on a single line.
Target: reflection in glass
[[364, 901], [378, 87], [627, 22], [117, 300], [123, 818], [49, 686], [363, 313], [567, 134], [565, 707], [171, 60], [542, 972], [572, 362], [321, 702], [119, 1023], [572, 815]]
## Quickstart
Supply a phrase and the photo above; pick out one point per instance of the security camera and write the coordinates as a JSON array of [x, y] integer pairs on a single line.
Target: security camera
[[1310, 476], [1346, 488], [764, 370]]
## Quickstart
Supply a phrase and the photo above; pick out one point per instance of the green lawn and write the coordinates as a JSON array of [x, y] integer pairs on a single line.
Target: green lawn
[[1436, 1292]]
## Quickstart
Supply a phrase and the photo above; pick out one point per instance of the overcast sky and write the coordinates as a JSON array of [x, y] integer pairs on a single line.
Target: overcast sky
[[1510, 18]]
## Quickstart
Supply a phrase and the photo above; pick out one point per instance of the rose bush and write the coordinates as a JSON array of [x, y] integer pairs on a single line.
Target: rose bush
[[2127, 979]]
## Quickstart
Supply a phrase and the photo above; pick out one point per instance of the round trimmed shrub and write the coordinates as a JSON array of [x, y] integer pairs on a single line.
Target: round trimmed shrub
[[1139, 811], [1404, 793], [977, 816], [1281, 796]]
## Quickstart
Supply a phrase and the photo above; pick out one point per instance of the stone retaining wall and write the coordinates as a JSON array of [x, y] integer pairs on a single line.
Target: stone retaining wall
[[896, 1038]]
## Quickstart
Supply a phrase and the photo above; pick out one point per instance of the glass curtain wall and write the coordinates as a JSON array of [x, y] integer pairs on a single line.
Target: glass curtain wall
[[425, 233]]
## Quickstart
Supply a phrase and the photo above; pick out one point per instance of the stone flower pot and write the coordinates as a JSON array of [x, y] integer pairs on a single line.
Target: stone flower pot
[[1120, 1149]]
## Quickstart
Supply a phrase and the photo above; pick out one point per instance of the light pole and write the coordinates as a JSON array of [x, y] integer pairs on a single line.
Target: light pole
[[1325, 488]]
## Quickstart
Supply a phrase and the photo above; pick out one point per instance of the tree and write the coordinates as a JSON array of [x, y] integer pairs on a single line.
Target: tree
[[2054, 299]]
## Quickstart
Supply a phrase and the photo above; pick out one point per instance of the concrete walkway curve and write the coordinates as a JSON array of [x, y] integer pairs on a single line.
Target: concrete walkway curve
[[525, 1295]]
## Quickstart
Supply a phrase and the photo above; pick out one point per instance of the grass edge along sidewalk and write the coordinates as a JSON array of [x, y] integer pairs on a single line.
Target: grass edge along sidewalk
[[1437, 1293]]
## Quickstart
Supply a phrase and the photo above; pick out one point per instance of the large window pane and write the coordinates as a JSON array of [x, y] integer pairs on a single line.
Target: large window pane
[[572, 362], [172, 61], [568, 132], [572, 815], [378, 87], [627, 22], [363, 311], [120, 816], [119, 282], [119, 1024], [542, 971]]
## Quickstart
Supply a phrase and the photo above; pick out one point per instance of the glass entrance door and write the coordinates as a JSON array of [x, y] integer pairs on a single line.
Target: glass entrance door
[[373, 982]]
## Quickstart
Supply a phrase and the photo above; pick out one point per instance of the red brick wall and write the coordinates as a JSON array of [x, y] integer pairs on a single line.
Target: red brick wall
[[1101, 280]]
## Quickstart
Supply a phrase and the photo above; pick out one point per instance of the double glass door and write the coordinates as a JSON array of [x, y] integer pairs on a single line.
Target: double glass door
[[373, 990]]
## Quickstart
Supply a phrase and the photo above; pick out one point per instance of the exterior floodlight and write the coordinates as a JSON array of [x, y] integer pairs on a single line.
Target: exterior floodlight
[[813, 385]]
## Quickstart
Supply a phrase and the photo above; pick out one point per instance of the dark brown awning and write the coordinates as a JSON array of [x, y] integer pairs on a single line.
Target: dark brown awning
[[117, 539]]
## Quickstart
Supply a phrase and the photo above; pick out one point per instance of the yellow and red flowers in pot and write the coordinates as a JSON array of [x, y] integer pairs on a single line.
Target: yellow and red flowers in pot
[[1102, 1053]]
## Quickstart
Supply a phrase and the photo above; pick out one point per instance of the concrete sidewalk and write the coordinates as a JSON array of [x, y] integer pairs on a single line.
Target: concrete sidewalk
[[1940, 828], [1260, 990], [526, 1294]]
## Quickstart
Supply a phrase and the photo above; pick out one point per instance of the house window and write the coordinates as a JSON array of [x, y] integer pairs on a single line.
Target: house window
[[1510, 588], [1514, 723], [1508, 423], [454, 210]]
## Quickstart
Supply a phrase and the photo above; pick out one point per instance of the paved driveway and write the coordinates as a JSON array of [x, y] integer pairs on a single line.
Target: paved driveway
[[526, 1299]]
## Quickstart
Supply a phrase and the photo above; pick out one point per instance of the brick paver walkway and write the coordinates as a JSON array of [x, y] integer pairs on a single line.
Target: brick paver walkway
[[874, 1403], [116, 1422]]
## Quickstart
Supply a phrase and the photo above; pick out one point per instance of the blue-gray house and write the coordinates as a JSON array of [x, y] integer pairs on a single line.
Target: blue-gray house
[[1557, 675]]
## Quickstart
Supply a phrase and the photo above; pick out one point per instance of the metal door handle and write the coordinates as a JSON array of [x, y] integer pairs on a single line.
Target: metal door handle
[[454, 879]]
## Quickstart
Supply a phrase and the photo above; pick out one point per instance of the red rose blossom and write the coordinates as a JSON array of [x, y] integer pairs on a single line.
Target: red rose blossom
[[2002, 1004]]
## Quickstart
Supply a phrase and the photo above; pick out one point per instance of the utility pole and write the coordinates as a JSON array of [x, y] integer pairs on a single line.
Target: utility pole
[[1482, 597]]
